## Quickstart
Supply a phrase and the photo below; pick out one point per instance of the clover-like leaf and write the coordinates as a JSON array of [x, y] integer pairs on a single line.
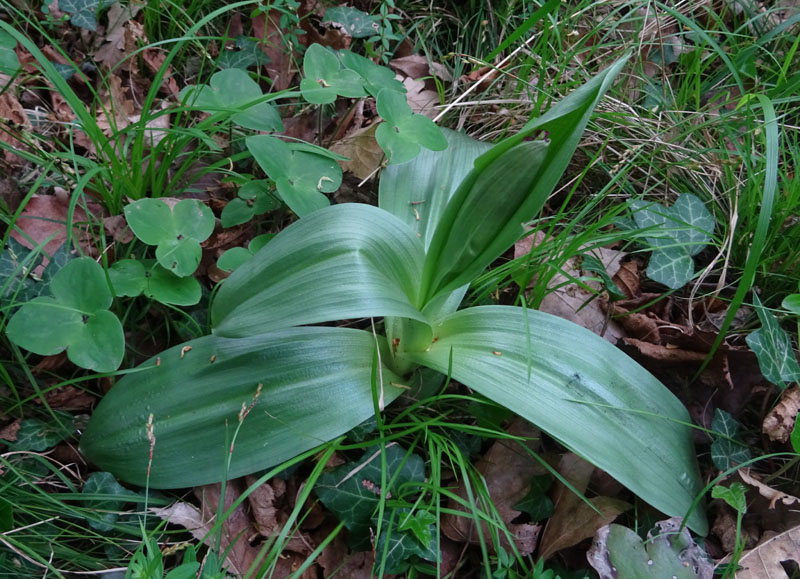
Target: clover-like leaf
[[773, 348], [374, 77], [177, 232], [301, 173], [404, 132], [131, 278], [255, 198], [352, 21], [236, 256], [233, 90], [325, 79], [9, 63], [75, 319]]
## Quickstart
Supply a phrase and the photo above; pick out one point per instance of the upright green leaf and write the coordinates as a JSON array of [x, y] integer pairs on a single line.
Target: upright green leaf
[[418, 191], [519, 186], [581, 390], [302, 386], [325, 79], [344, 261]]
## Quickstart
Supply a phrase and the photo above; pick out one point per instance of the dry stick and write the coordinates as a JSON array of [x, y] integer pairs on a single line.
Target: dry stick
[[475, 85]]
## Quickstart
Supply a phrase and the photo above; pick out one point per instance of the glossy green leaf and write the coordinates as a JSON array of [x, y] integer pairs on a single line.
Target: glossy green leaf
[[325, 79], [418, 191], [528, 174], [83, 13], [773, 348], [233, 91], [75, 319], [177, 232], [344, 261], [104, 484], [397, 548], [315, 384], [727, 450], [404, 132], [36, 435], [301, 176], [352, 21], [593, 398], [353, 499]]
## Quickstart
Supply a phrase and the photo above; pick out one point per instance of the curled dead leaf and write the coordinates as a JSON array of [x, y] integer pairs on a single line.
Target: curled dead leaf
[[779, 423]]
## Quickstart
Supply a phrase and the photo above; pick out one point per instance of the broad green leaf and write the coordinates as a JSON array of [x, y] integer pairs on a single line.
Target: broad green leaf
[[9, 63], [418, 191], [236, 212], [396, 549], [301, 176], [421, 524], [404, 132], [236, 256], [36, 435], [444, 266], [344, 261], [233, 91], [75, 319], [325, 79], [127, 278], [773, 348], [352, 21], [177, 232], [693, 223], [354, 499], [131, 278], [670, 552], [792, 303], [734, 495], [593, 398], [104, 484], [303, 386], [254, 198], [83, 13], [726, 450]]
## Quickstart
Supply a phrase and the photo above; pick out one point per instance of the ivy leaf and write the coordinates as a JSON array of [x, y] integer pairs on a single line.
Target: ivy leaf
[[733, 495], [396, 549], [246, 53], [671, 266], [75, 319], [18, 282], [104, 483], [353, 21], [233, 90], [9, 63], [83, 13], [176, 232], [421, 523], [404, 132], [773, 348], [728, 451], [325, 80], [37, 436], [353, 499], [536, 503], [301, 173]]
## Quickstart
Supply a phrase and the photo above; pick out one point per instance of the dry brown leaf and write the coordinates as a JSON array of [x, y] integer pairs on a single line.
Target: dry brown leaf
[[507, 470], [363, 150], [9, 432], [70, 398], [13, 120], [779, 423], [769, 493], [154, 59], [45, 216], [186, 516], [573, 520], [725, 528], [280, 68], [118, 107], [262, 505], [116, 227], [764, 561], [417, 66], [420, 99], [237, 530]]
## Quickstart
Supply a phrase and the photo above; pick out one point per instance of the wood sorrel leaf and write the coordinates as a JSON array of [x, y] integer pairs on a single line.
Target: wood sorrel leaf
[[404, 132], [130, 277], [302, 174], [75, 319], [177, 232], [233, 91], [325, 79]]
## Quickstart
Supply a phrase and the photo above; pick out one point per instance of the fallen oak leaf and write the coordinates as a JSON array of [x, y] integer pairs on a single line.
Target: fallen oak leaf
[[780, 421], [765, 560], [769, 493]]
